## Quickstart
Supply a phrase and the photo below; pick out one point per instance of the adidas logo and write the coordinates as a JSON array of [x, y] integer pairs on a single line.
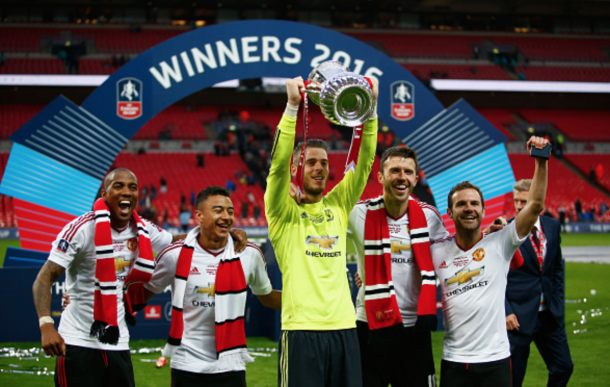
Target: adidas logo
[[443, 265], [194, 271]]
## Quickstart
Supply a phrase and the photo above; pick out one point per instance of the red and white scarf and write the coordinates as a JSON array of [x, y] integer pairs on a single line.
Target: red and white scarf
[[229, 309], [379, 297], [105, 325]]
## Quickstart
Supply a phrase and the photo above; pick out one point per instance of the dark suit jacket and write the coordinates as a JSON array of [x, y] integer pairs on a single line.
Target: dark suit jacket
[[527, 282]]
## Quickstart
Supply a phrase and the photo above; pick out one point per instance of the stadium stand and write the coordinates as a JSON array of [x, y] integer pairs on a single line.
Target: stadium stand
[[578, 125], [558, 48], [109, 40], [563, 73], [500, 118], [564, 187], [586, 161], [182, 174], [180, 123], [431, 46], [456, 71], [14, 116], [336, 161], [33, 66]]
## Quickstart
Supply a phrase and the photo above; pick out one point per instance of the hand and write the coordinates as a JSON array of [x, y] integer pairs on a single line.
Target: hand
[[537, 142], [375, 83], [512, 323], [497, 225], [295, 195], [240, 239], [65, 301], [52, 343], [294, 89], [358, 280]]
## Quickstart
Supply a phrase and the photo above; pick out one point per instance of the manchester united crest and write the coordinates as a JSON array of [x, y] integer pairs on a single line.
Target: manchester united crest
[[478, 255]]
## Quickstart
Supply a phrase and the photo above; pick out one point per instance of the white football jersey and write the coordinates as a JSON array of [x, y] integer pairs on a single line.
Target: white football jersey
[[473, 286], [197, 351], [405, 272], [74, 249]]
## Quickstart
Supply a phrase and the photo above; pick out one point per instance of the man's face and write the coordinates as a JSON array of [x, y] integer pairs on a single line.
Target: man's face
[[315, 171], [398, 178], [520, 198], [215, 216], [121, 196], [467, 210]]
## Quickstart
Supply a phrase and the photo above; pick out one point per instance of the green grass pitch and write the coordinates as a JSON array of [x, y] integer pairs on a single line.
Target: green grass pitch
[[588, 348]]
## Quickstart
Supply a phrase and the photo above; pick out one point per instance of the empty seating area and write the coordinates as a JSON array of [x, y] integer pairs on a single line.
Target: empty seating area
[[182, 175], [568, 74], [181, 123], [33, 66], [500, 118], [12, 117], [578, 125], [564, 186], [456, 71], [586, 161], [562, 49], [108, 40], [432, 46]]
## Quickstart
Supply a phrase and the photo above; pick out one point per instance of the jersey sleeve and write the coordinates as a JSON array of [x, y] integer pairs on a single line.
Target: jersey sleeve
[[278, 181], [69, 242], [436, 226], [165, 270], [258, 279], [347, 193], [510, 240], [159, 238], [355, 229]]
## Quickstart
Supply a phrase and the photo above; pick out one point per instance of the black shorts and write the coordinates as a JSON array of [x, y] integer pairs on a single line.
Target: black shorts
[[93, 368], [407, 361], [489, 374], [320, 359], [191, 379]]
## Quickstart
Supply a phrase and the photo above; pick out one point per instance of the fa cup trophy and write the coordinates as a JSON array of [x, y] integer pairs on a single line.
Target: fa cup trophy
[[344, 97]]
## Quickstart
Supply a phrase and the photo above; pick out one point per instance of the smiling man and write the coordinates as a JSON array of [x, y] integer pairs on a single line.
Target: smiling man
[[99, 252], [319, 344], [396, 309], [472, 267], [207, 338]]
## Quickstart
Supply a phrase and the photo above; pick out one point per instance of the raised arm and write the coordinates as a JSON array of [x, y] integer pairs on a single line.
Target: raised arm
[[278, 181], [535, 200], [52, 343]]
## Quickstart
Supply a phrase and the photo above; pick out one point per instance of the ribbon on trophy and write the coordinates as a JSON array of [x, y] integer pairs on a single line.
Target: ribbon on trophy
[[345, 98]]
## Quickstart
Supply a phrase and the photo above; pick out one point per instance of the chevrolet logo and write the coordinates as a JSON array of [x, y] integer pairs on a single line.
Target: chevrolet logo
[[463, 276], [325, 242], [210, 290], [397, 247], [120, 264]]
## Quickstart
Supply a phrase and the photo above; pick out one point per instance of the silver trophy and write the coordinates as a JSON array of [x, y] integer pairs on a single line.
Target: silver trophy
[[345, 98]]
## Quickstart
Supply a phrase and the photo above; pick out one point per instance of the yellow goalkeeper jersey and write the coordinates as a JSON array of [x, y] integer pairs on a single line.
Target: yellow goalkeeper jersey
[[309, 239]]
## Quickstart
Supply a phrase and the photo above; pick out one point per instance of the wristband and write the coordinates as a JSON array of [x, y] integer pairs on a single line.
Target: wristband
[[46, 320], [291, 111]]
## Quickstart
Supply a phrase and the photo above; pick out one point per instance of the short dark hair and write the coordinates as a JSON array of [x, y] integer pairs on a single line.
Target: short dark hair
[[213, 190], [399, 151], [462, 186], [311, 143], [110, 176]]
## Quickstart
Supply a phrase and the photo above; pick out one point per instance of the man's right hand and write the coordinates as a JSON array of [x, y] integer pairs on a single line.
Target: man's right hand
[[512, 324], [52, 343], [294, 89]]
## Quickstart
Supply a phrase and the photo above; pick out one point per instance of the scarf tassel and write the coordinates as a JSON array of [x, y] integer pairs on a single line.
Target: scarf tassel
[[105, 333]]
